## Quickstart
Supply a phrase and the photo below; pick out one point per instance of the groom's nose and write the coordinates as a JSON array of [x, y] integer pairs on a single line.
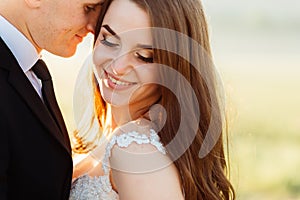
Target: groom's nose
[[92, 20]]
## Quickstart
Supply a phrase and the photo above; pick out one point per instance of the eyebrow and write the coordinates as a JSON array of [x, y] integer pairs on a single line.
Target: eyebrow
[[107, 27], [99, 2], [144, 46], [96, 3]]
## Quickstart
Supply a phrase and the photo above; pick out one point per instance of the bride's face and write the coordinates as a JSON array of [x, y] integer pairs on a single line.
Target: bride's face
[[123, 57]]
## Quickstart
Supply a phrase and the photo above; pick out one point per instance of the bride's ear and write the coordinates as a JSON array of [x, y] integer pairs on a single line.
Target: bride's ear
[[33, 3]]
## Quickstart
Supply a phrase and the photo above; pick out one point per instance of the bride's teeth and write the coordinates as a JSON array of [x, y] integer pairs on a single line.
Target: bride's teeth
[[117, 82]]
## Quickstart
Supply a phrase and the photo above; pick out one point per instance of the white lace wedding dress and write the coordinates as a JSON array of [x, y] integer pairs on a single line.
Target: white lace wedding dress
[[100, 187]]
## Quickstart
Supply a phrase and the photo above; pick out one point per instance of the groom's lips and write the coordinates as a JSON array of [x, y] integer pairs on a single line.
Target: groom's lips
[[80, 38]]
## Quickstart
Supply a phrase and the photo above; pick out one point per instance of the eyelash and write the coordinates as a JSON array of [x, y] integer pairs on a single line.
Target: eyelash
[[139, 56], [144, 59], [107, 43], [89, 8]]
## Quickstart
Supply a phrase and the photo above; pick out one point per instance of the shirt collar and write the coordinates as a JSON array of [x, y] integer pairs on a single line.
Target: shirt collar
[[20, 46]]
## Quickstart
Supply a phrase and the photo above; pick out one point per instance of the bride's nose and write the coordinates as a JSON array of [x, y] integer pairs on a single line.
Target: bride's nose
[[122, 65]]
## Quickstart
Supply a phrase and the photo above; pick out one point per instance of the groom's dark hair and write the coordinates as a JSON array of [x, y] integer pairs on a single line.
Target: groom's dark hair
[[103, 11]]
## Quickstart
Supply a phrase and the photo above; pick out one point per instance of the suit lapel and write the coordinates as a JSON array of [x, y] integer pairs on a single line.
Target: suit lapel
[[22, 85]]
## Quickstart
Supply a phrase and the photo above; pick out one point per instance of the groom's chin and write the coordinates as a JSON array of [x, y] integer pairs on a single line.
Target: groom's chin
[[64, 51]]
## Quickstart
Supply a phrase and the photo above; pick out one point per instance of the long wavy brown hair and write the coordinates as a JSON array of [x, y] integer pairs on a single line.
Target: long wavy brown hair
[[203, 178]]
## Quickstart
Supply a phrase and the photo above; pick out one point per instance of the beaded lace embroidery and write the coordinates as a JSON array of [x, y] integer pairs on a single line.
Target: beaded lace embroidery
[[92, 188]]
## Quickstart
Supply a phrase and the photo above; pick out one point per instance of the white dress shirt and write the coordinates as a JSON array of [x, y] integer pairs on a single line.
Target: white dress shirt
[[23, 50]]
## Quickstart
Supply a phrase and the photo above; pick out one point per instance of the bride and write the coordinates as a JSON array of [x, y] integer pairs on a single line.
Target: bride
[[146, 104]]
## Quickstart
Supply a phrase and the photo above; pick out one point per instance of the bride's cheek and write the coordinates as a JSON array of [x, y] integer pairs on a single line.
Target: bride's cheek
[[97, 56], [103, 55]]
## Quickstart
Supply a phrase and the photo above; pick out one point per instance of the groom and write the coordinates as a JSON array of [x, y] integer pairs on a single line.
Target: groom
[[35, 153]]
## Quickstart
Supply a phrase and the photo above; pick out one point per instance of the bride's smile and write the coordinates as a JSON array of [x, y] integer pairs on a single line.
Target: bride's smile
[[117, 83]]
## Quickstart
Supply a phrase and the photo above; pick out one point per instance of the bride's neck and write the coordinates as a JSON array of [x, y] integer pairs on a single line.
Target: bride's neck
[[117, 116]]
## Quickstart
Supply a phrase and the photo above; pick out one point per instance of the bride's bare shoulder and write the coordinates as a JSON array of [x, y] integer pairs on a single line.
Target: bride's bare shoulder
[[139, 158]]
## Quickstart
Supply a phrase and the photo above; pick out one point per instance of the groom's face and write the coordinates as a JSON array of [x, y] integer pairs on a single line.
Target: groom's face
[[62, 24]]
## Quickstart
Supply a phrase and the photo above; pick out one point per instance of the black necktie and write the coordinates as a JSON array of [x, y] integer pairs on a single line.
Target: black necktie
[[41, 71]]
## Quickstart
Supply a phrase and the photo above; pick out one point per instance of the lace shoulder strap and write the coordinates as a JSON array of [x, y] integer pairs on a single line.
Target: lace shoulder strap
[[125, 139]]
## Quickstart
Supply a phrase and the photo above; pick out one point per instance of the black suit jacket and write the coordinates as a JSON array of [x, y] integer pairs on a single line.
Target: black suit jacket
[[35, 154]]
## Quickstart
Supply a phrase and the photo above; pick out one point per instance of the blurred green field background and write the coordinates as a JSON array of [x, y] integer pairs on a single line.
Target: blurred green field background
[[256, 47]]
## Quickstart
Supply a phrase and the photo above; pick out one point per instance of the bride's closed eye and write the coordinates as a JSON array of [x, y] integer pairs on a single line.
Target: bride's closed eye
[[107, 41], [144, 55]]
